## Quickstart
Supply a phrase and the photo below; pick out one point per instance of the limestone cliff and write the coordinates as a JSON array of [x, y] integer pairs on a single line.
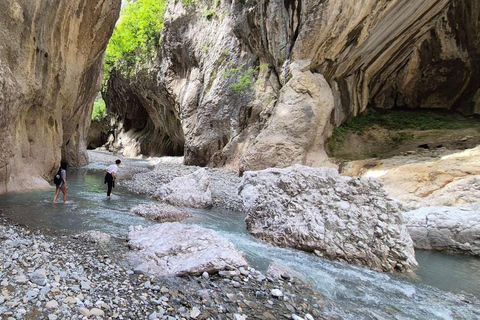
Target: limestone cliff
[[262, 83], [51, 55]]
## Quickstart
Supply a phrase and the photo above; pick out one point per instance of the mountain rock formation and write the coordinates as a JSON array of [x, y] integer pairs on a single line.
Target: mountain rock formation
[[51, 55], [256, 83]]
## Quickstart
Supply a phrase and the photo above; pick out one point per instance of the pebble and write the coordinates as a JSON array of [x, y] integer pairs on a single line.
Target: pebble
[[295, 317], [84, 311], [194, 313], [97, 312], [52, 304], [205, 275], [276, 293]]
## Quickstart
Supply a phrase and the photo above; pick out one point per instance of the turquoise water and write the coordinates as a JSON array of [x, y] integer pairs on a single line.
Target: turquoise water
[[444, 287]]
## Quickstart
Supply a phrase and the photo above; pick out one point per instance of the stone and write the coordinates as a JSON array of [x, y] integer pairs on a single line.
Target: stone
[[95, 236], [160, 212], [205, 275], [192, 190], [194, 313], [279, 271], [38, 278], [295, 317], [173, 248], [84, 311], [454, 229], [276, 293], [67, 68], [52, 304], [316, 209], [21, 279], [97, 312]]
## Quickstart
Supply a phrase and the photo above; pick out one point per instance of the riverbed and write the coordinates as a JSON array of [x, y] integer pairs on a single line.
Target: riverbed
[[445, 286]]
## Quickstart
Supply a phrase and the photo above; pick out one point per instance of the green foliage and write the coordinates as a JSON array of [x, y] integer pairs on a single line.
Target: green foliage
[[99, 108], [187, 3], [136, 35], [244, 81]]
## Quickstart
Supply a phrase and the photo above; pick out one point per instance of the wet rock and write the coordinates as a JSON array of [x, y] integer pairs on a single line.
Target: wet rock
[[177, 249], [278, 271], [194, 313], [160, 212], [446, 228], [192, 190], [316, 209]]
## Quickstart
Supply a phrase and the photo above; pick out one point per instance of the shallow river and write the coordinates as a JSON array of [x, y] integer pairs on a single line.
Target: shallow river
[[443, 287]]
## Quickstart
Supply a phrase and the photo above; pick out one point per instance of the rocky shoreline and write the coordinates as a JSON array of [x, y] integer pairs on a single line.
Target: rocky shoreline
[[63, 277]]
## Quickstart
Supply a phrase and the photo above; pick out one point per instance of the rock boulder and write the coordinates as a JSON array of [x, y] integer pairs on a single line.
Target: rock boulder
[[317, 210], [446, 228], [175, 249], [192, 190]]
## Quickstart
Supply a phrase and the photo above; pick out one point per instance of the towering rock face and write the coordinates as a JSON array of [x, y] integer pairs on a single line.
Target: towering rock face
[[51, 56], [262, 83]]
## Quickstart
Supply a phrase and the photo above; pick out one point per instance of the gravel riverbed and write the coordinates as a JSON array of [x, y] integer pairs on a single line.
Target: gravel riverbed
[[45, 276]]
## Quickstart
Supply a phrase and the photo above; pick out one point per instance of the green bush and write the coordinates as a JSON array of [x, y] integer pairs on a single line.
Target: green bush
[[99, 108], [136, 35]]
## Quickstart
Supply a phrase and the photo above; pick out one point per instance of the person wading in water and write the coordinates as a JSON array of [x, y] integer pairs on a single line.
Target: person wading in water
[[60, 181], [110, 176]]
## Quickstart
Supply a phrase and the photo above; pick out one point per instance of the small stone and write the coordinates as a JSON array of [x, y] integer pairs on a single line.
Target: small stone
[[69, 300], [21, 279], [295, 317], [205, 275], [153, 316], [52, 317], [52, 304], [237, 316], [97, 312], [84, 311], [2, 299], [194, 313], [276, 293], [308, 316], [85, 285]]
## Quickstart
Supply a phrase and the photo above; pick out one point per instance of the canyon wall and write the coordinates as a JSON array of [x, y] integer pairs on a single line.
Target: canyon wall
[[51, 55], [262, 83]]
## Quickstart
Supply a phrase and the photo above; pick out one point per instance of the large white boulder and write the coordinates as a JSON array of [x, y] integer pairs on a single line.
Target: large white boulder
[[175, 249], [445, 228], [192, 190], [317, 210]]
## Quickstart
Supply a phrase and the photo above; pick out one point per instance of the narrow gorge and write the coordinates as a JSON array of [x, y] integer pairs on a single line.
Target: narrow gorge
[[272, 159]]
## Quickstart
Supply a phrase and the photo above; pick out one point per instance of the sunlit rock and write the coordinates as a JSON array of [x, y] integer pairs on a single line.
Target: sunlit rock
[[317, 210], [175, 249]]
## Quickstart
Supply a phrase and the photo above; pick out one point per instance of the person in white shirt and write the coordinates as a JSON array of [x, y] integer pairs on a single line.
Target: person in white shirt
[[110, 176]]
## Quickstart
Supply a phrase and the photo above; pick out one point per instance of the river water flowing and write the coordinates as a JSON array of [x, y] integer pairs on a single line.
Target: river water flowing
[[443, 287]]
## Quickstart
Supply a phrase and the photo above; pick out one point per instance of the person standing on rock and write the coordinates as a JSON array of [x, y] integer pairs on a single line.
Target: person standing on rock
[[60, 181], [111, 176]]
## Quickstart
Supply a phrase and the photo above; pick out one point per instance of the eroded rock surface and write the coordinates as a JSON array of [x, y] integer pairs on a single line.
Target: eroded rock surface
[[176, 249], [317, 210], [446, 228], [160, 212], [192, 190], [429, 178], [51, 55], [257, 84]]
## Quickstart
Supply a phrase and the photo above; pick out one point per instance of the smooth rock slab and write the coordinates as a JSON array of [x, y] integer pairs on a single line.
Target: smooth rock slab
[[446, 228], [317, 210], [174, 249], [192, 190], [160, 212]]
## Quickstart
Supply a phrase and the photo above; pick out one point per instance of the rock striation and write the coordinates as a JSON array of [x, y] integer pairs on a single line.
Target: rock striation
[[446, 228], [317, 210], [191, 190], [256, 84], [175, 249], [51, 55]]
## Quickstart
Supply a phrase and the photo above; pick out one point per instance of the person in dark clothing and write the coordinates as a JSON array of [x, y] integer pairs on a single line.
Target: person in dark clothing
[[110, 176], [62, 183]]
